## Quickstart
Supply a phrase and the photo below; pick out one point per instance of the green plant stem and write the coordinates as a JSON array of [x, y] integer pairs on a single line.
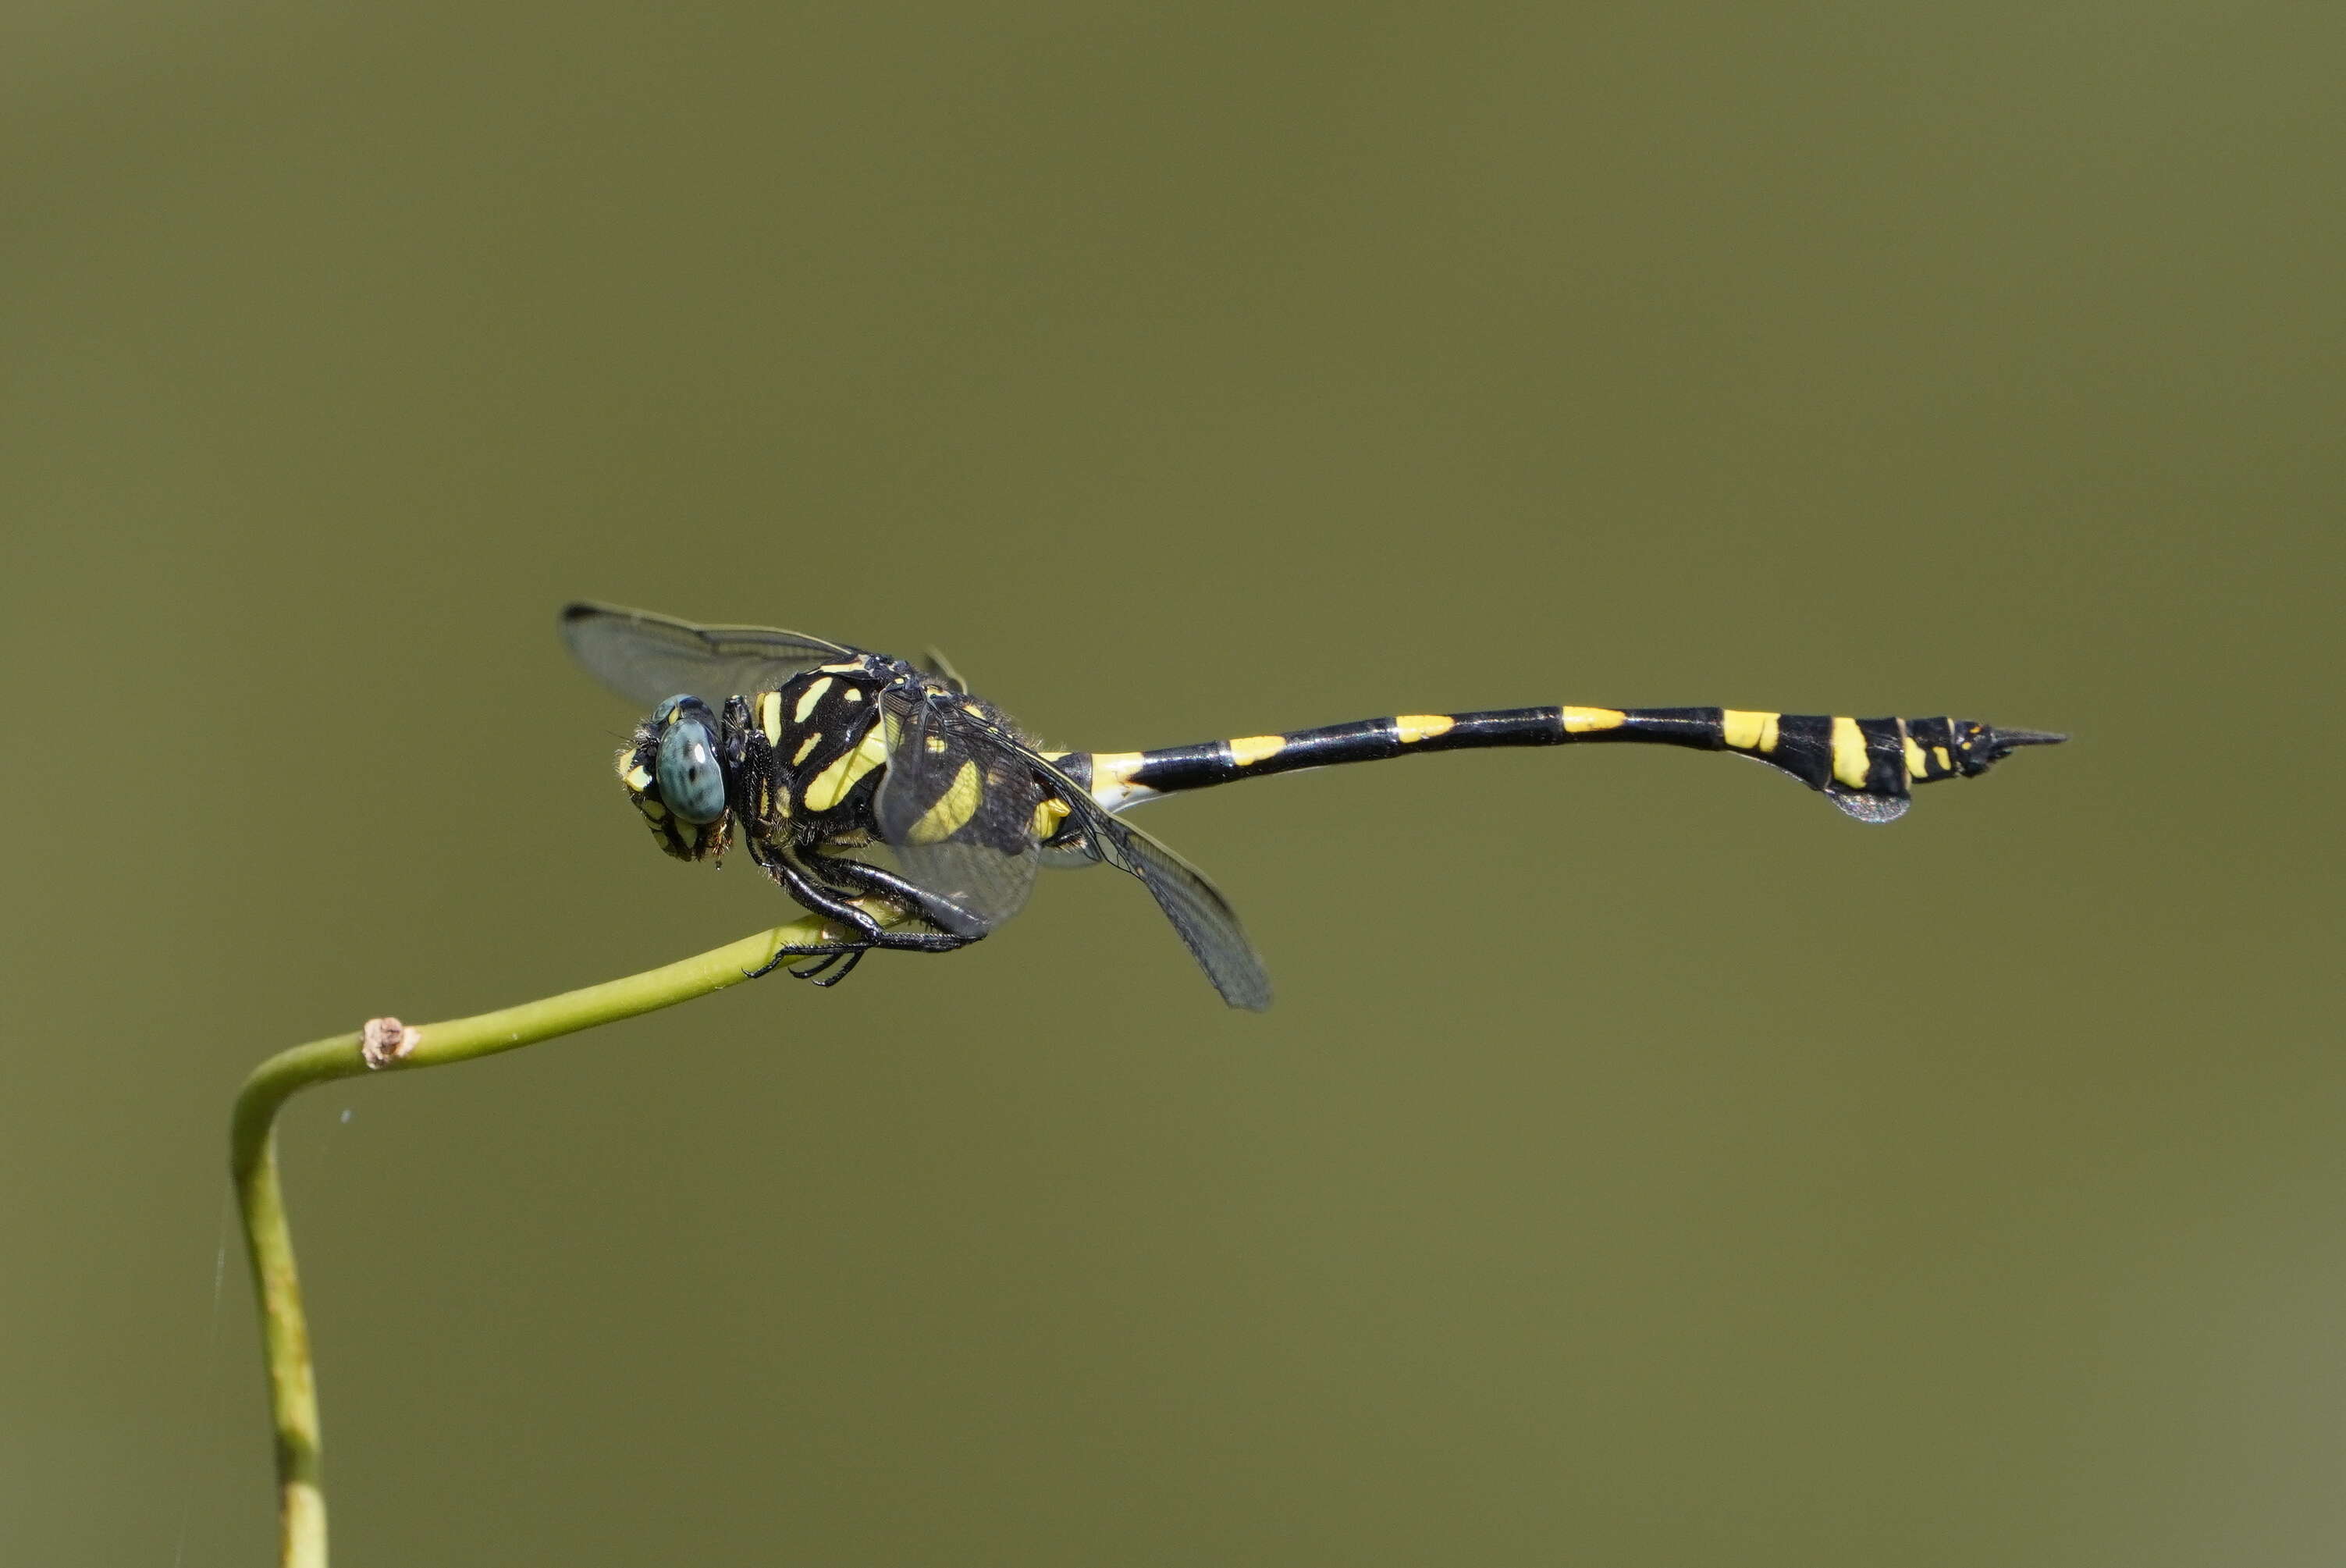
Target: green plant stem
[[253, 1162]]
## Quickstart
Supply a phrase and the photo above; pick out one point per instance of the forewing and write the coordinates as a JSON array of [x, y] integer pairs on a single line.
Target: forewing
[[934, 658], [1209, 926], [646, 656], [957, 805]]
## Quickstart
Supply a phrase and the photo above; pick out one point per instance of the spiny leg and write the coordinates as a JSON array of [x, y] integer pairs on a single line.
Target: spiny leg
[[868, 932], [826, 898], [866, 878], [827, 955], [846, 961]]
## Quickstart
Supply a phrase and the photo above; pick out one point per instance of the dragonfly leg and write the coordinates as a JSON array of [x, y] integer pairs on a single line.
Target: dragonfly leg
[[864, 877], [869, 933], [822, 962], [845, 961], [845, 956]]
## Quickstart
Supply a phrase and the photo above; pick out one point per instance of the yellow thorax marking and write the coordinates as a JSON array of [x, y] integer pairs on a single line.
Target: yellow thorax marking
[[1048, 813], [1580, 720], [1917, 765], [1410, 726], [1849, 753], [1249, 749], [1747, 731], [1947, 764], [956, 806], [808, 698], [831, 786], [813, 739], [770, 716]]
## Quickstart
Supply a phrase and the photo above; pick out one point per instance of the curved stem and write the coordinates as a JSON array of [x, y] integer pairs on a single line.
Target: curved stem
[[385, 1045]]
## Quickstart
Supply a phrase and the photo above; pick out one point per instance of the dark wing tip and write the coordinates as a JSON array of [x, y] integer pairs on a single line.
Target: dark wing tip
[[1239, 975]]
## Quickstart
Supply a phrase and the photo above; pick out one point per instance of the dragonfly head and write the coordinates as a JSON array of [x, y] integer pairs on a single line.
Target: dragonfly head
[[673, 769]]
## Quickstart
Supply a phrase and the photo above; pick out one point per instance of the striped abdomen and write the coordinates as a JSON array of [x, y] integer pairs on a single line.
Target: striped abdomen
[[1864, 766]]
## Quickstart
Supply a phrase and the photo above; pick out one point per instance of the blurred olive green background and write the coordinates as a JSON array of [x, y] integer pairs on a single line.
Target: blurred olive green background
[[1642, 1163]]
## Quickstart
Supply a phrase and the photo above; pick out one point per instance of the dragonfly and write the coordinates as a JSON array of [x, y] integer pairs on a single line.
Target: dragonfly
[[825, 762]]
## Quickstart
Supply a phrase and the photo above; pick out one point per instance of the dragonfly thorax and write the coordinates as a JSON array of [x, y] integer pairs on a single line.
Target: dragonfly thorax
[[799, 764]]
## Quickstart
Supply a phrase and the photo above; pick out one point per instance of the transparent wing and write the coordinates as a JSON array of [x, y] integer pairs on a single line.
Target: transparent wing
[[957, 805], [1868, 807], [646, 656], [934, 658], [1208, 926]]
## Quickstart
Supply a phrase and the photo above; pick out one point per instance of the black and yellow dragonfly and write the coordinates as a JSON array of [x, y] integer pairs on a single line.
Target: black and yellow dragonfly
[[818, 755]]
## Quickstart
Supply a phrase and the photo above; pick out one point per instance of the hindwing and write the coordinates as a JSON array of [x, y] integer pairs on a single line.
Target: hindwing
[[958, 806]]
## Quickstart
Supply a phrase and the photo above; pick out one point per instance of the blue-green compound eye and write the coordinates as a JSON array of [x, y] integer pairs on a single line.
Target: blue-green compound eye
[[690, 782]]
